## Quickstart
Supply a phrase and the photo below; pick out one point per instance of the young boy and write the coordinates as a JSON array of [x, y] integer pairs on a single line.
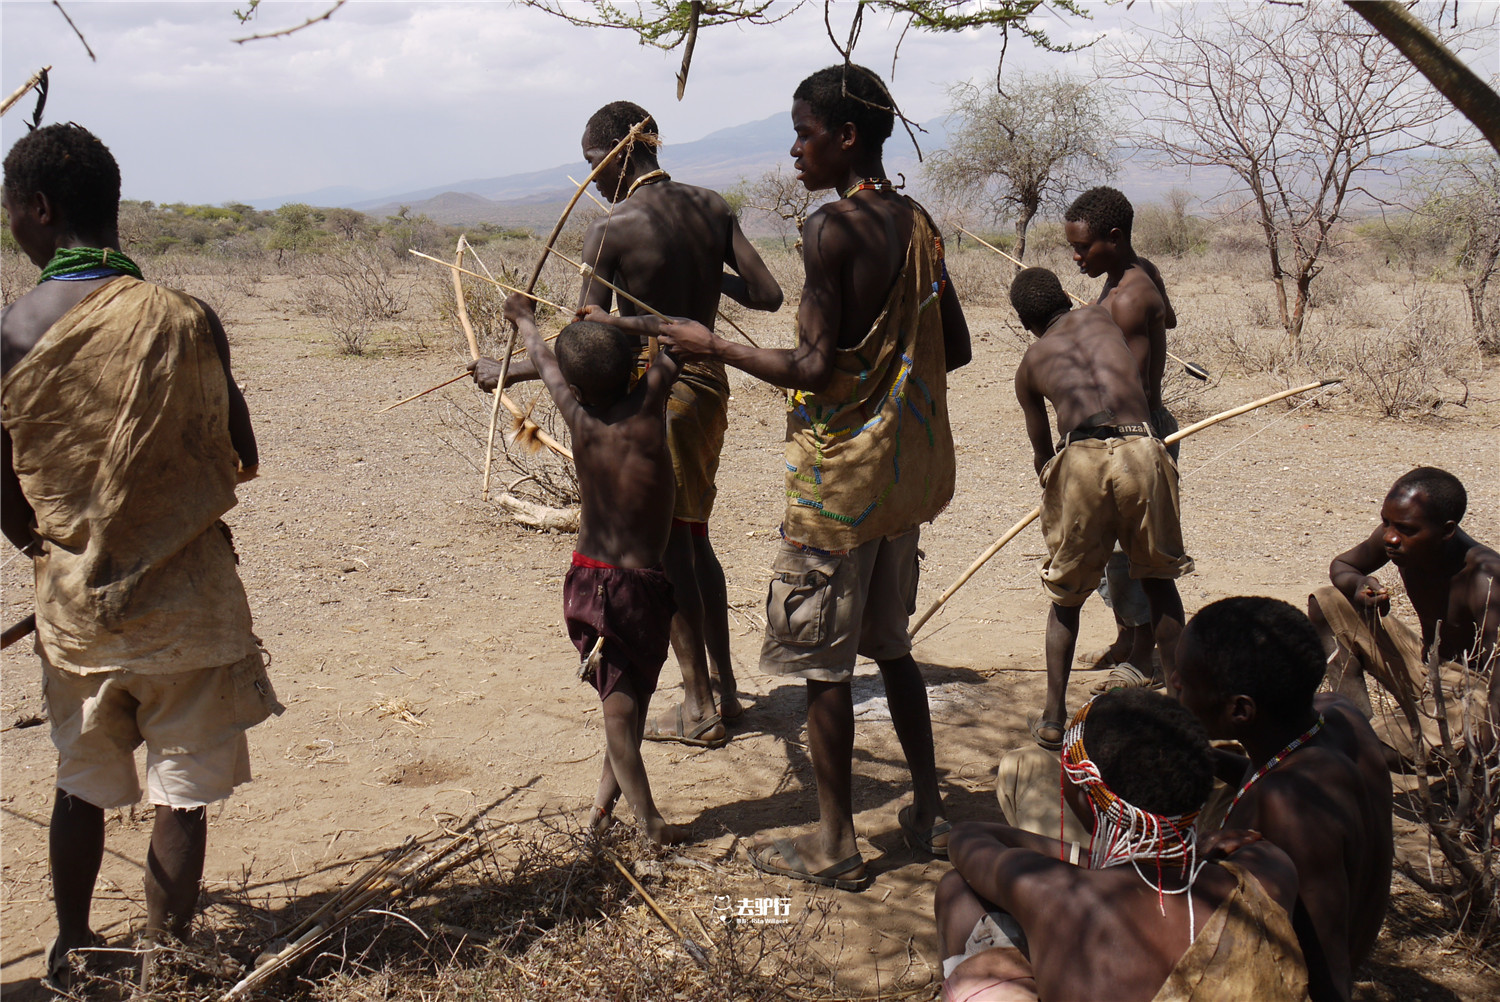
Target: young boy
[[616, 596]]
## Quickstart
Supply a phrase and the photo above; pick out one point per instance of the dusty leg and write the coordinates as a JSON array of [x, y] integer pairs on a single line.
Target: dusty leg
[[624, 723], [906, 694], [830, 744], [1062, 637], [1166, 622], [687, 637], [76, 848], [174, 869], [715, 594]]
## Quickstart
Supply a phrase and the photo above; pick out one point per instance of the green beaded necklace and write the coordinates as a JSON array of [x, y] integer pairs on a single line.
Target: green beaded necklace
[[77, 260]]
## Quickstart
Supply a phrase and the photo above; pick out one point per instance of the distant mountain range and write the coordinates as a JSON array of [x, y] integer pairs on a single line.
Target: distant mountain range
[[719, 160]]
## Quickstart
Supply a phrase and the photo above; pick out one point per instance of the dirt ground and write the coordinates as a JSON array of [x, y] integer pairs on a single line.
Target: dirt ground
[[418, 645]]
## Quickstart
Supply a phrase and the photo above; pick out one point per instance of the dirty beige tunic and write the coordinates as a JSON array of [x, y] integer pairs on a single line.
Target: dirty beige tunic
[[119, 418]]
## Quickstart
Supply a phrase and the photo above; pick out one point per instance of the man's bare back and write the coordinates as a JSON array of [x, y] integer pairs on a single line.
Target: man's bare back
[[668, 244], [1140, 310], [1082, 366], [1328, 805]]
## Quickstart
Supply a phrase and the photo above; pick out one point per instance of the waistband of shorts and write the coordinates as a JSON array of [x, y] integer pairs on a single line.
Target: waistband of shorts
[[1107, 431], [579, 560], [699, 529]]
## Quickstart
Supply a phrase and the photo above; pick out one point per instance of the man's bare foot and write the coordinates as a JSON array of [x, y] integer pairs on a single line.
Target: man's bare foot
[[598, 820], [1108, 657], [662, 833]]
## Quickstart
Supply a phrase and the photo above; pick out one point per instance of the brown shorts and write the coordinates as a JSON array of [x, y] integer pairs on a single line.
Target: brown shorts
[[193, 724], [632, 609], [1097, 491], [824, 611]]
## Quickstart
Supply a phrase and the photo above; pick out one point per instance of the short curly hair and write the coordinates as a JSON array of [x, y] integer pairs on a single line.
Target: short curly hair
[[609, 125], [859, 96], [1262, 648], [597, 358], [76, 172], [1102, 209], [1150, 750], [1446, 499], [1037, 295]]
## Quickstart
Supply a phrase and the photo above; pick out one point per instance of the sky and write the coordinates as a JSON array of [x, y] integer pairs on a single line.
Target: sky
[[393, 96]]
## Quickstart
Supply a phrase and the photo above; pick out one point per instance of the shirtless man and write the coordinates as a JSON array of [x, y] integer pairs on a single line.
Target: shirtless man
[[1315, 783], [1109, 479], [1450, 578], [124, 436], [878, 328], [1127, 917], [615, 595], [1098, 225], [669, 243]]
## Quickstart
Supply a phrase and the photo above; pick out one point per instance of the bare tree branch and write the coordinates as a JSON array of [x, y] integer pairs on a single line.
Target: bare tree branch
[[255, 5], [85, 41]]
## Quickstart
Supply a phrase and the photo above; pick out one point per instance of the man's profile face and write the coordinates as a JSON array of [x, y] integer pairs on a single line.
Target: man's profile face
[[1196, 690], [608, 181], [1406, 529], [817, 151], [1093, 254]]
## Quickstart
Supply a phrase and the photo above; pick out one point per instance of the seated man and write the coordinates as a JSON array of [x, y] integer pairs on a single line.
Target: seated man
[[1021, 918], [1109, 479], [1453, 582], [1315, 783]]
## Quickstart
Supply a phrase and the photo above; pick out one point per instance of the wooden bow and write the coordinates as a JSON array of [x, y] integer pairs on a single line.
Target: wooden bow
[[630, 137]]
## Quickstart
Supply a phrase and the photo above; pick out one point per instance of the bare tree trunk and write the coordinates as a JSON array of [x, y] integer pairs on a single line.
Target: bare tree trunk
[[1299, 315], [1475, 289], [1028, 212]]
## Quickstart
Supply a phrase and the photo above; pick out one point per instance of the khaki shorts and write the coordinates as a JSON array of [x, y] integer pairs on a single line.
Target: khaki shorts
[[1098, 491], [193, 724], [824, 611]]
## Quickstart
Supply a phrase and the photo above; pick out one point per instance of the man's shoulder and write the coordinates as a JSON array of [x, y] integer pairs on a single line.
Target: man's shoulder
[[1137, 291]]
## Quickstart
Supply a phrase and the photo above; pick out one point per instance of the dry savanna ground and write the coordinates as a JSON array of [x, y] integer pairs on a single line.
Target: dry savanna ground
[[417, 643]]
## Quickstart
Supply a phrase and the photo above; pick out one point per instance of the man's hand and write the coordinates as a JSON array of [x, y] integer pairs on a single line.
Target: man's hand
[[1371, 596], [519, 307], [486, 373], [1226, 842], [688, 339]]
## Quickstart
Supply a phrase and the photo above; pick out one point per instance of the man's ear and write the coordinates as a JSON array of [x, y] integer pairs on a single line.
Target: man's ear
[[1449, 528], [1116, 236], [848, 136], [1242, 710], [578, 394]]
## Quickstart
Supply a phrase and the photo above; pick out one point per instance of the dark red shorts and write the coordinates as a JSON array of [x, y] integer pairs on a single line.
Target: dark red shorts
[[632, 609], [699, 529]]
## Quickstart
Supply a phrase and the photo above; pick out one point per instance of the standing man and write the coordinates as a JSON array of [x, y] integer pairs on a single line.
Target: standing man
[[668, 243], [869, 458], [1453, 582], [1098, 226], [124, 436], [1109, 479]]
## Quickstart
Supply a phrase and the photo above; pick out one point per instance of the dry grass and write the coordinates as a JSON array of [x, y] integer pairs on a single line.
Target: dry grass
[[542, 913]]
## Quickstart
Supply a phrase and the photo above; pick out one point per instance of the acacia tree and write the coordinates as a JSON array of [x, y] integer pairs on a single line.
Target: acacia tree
[[1464, 201], [781, 196], [1300, 106], [1018, 151]]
